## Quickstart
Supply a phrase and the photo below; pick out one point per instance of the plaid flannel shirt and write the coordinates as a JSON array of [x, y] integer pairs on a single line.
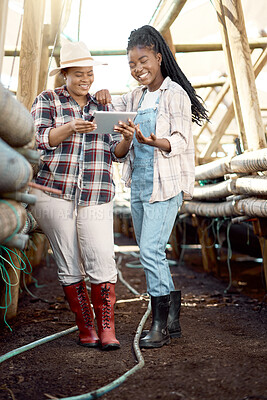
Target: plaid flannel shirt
[[174, 171], [75, 162]]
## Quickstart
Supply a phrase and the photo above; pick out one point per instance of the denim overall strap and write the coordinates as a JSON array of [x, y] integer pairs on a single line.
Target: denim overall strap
[[147, 122]]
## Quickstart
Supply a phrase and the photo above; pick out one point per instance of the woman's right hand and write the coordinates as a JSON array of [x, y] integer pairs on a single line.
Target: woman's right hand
[[81, 126], [57, 135]]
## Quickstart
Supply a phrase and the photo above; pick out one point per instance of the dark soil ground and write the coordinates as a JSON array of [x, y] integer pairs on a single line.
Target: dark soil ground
[[222, 354]]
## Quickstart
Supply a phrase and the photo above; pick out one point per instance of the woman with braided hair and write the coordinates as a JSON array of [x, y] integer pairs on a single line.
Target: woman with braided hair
[[159, 167]]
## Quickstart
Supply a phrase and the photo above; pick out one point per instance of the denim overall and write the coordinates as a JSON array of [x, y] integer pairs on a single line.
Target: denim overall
[[153, 222]]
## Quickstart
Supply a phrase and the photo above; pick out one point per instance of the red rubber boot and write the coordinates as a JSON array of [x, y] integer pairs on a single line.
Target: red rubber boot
[[103, 299], [79, 302]]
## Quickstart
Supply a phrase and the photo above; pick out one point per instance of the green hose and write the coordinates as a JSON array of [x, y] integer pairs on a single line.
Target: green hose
[[114, 384], [29, 346], [117, 382]]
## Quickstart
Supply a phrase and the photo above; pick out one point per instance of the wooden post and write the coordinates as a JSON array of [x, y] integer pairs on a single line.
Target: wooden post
[[175, 240], [44, 60], [3, 21], [245, 78], [14, 288], [209, 254], [260, 229], [228, 55], [30, 53]]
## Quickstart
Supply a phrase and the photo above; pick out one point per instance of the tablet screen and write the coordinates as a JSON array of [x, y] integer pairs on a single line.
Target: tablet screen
[[106, 120]]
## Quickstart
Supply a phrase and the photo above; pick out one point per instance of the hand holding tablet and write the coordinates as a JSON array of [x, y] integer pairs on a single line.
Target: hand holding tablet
[[105, 120]]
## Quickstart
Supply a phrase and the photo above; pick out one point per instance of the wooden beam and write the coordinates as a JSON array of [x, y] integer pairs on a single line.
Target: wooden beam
[[167, 14], [259, 43], [229, 114], [244, 74], [30, 53], [199, 47], [228, 55], [3, 21], [168, 37], [220, 96], [215, 83]]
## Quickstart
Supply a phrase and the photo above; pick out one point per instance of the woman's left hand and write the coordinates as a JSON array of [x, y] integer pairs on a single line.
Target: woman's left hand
[[103, 97], [127, 130], [150, 140]]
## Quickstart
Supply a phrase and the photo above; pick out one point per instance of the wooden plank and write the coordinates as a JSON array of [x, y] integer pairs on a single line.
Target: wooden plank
[[30, 53], [244, 74], [228, 54], [215, 83]]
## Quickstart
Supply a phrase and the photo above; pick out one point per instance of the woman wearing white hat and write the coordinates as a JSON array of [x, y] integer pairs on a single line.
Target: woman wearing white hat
[[79, 221]]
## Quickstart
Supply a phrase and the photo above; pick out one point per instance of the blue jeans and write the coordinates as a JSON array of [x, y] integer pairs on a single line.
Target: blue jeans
[[153, 223]]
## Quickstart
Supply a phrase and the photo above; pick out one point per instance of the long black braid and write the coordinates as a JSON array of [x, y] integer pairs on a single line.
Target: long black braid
[[147, 36]]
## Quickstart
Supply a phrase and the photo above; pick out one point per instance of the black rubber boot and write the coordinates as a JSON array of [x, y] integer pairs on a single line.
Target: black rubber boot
[[174, 327], [174, 314], [158, 334]]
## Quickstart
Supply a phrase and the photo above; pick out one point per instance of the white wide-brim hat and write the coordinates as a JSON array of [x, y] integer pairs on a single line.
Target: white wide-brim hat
[[75, 54]]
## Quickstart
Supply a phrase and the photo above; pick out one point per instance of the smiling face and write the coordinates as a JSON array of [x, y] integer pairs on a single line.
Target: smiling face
[[79, 81], [145, 67]]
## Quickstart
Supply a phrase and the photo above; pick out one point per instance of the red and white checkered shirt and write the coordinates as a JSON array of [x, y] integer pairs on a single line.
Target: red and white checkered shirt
[[73, 163]]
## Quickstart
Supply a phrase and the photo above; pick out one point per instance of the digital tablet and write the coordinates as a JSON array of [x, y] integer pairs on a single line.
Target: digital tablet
[[106, 120]]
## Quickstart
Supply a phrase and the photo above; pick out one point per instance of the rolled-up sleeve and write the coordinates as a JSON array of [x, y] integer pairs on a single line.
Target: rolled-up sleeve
[[43, 120], [119, 103], [115, 140]]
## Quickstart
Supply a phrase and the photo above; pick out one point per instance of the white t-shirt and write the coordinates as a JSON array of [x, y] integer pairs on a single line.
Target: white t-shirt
[[150, 99]]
